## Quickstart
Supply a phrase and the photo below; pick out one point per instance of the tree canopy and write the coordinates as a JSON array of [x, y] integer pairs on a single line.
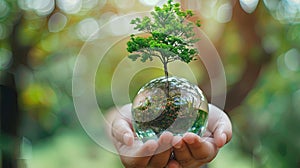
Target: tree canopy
[[170, 36]]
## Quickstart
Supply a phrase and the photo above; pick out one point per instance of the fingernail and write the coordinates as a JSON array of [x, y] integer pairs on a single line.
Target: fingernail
[[177, 143], [188, 138], [200, 139], [224, 137], [166, 137], [127, 138], [190, 141], [151, 149]]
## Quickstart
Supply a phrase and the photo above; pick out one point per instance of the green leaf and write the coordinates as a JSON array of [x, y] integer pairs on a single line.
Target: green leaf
[[134, 57], [170, 37], [198, 23], [145, 57]]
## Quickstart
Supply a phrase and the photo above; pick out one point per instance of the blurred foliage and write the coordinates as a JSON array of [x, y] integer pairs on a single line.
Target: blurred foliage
[[40, 41], [66, 148]]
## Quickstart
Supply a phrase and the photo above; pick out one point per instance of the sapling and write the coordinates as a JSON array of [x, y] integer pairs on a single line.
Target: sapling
[[168, 36]]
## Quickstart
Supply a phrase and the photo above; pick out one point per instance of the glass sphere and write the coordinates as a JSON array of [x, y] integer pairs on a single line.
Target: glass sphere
[[169, 104]]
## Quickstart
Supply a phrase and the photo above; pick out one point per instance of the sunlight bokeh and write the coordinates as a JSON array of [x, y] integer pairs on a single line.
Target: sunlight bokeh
[[40, 41]]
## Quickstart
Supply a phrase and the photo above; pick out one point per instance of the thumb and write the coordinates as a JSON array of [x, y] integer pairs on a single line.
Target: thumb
[[122, 132], [121, 129], [220, 126]]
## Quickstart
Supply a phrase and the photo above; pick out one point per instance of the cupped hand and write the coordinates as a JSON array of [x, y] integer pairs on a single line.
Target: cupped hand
[[190, 151], [133, 152]]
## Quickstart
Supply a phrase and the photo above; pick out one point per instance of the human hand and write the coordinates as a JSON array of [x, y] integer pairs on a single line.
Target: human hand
[[133, 152], [190, 150]]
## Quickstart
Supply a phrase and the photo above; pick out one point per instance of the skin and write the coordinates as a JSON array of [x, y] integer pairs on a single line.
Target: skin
[[190, 150]]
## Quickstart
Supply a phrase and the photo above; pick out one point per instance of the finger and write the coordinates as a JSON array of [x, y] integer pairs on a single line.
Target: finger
[[173, 164], [122, 132], [220, 126], [125, 112], [203, 150], [181, 151], [139, 154], [221, 135], [163, 152]]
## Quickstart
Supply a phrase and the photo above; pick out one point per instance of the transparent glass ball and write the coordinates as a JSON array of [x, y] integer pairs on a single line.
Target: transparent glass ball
[[169, 104]]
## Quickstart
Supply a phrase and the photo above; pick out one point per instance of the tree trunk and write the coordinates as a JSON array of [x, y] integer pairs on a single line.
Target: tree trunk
[[167, 77], [9, 120]]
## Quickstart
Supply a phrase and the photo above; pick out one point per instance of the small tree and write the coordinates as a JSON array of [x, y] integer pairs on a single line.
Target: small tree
[[170, 36]]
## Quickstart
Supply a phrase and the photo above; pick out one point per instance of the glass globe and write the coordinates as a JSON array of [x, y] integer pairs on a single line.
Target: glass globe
[[169, 104]]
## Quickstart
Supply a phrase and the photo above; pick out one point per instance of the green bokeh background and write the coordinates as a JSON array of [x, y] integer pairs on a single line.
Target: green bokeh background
[[40, 41]]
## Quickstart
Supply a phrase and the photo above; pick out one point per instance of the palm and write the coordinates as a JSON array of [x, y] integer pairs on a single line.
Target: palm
[[190, 150]]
